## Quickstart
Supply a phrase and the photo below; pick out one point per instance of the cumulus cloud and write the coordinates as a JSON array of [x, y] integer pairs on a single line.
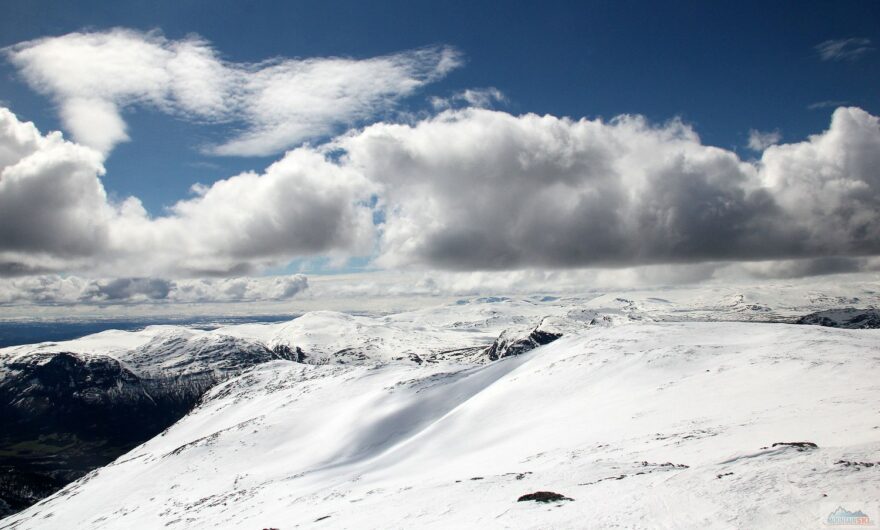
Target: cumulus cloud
[[52, 202], [239, 289], [302, 205], [479, 189], [58, 290], [829, 186], [131, 288], [55, 214], [758, 141], [844, 49], [468, 190], [276, 104]]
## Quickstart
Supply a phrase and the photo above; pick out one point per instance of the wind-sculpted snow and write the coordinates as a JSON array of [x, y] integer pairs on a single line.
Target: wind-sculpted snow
[[640, 424]]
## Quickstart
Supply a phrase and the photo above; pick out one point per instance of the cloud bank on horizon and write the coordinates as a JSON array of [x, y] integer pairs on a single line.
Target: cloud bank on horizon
[[465, 189], [58, 290]]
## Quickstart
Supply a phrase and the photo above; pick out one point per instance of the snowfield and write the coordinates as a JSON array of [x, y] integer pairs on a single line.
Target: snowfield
[[641, 420]]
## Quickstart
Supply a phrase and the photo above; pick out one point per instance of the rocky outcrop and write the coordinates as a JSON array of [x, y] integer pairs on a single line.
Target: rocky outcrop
[[64, 413], [848, 318], [518, 341], [544, 496]]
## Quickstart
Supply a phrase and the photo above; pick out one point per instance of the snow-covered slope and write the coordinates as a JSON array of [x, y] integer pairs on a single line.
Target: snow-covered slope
[[66, 408], [69, 407], [647, 425]]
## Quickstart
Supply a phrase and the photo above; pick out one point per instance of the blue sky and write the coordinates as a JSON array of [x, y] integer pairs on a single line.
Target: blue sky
[[725, 69]]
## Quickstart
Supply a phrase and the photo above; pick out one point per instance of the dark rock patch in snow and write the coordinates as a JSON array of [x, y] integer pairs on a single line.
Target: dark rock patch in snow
[[63, 414], [800, 446], [283, 351], [517, 342], [647, 468], [857, 465], [543, 496], [847, 318], [665, 464]]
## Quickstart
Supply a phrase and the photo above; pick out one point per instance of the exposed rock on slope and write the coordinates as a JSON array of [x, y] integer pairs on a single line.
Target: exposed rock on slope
[[518, 341], [848, 318], [521, 339], [64, 413]]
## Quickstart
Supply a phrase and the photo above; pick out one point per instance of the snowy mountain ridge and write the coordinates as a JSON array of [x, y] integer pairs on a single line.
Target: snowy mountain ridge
[[627, 405], [642, 424]]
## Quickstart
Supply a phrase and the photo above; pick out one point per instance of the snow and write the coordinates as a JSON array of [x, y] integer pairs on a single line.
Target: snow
[[107, 342], [663, 416]]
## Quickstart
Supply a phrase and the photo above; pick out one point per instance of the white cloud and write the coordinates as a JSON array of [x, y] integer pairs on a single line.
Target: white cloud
[[52, 203], [58, 290], [277, 104], [440, 283], [238, 289], [478, 189], [829, 187], [828, 104], [472, 97], [55, 215], [844, 49], [468, 190], [94, 122], [402, 285], [301, 205], [294, 100], [52, 289], [55, 296], [758, 141]]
